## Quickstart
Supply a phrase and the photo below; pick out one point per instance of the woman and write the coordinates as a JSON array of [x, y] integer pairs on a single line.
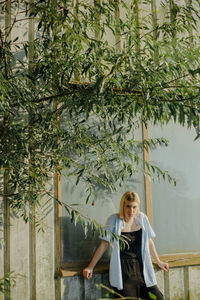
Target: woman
[[131, 270]]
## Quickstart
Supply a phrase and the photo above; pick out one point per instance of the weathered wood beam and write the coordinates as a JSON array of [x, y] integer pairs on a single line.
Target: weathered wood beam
[[147, 182], [6, 172], [32, 224]]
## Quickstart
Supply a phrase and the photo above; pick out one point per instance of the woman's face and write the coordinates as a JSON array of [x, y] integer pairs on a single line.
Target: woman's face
[[130, 209]]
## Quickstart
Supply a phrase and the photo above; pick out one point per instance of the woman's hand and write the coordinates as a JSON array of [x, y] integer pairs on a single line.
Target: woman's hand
[[87, 273], [163, 265]]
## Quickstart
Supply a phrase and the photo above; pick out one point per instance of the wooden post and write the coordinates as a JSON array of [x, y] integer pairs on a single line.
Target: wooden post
[[97, 18], [6, 230], [155, 31], [32, 249], [147, 179], [147, 184], [148, 196], [166, 286], [6, 172], [186, 283], [136, 25], [32, 227], [117, 28], [58, 213]]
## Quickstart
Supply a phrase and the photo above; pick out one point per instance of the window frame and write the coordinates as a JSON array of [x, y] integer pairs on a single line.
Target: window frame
[[176, 259]]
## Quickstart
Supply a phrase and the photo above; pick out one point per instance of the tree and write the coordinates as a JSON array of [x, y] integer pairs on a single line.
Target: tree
[[72, 106]]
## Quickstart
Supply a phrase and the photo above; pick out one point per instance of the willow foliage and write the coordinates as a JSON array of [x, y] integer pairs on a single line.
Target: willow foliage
[[75, 106]]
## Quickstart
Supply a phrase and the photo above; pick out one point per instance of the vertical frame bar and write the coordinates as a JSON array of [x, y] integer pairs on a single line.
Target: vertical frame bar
[[6, 230], [117, 29], [58, 214], [155, 30], [57, 182], [32, 228], [136, 24], [31, 37], [32, 252], [75, 14], [148, 195], [147, 182], [186, 283], [146, 156], [6, 172], [166, 286], [97, 19]]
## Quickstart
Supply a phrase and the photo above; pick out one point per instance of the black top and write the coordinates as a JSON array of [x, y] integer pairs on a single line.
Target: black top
[[132, 247]]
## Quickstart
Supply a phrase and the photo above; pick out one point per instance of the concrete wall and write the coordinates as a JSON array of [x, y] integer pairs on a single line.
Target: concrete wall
[[181, 283], [29, 269]]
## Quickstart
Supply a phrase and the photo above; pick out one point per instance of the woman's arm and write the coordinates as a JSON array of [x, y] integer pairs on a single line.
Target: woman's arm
[[87, 272], [164, 266]]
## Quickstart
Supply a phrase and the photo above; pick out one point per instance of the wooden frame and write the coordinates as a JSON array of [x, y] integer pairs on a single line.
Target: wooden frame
[[174, 260], [6, 176], [32, 223], [177, 259], [58, 215]]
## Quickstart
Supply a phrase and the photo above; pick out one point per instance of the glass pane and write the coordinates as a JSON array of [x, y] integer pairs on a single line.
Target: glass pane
[[176, 209], [75, 247]]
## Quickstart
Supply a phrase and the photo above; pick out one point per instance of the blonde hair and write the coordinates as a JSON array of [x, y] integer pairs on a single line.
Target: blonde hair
[[128, 196]]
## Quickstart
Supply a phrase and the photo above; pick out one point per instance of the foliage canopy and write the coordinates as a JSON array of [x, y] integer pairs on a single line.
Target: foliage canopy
[[73, 105]]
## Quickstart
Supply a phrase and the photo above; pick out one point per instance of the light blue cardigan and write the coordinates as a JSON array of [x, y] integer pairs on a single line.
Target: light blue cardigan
[[115, 225]]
